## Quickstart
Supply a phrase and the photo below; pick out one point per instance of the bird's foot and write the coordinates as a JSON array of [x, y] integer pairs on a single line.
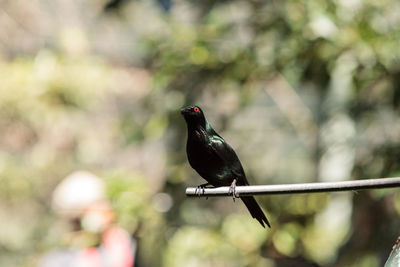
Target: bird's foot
[[232, 190], [200, 189]]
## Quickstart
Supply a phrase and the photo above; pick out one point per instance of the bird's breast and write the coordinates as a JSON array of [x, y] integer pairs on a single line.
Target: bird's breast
[[199, 152], [206, 162]]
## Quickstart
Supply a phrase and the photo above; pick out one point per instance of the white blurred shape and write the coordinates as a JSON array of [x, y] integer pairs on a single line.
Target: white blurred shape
[[77, 192], [336, 214], [98, 217], [45, 64], [332, 226], [337, 163], [338, 160], [74, 41], [162, 202], [341, 85], [324, 27], [352, 4]]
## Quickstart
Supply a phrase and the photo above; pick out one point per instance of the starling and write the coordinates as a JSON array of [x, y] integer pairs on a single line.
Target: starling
[[215, 160]]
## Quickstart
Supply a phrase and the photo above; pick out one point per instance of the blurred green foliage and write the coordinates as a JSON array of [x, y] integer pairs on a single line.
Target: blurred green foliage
[[304, 90]]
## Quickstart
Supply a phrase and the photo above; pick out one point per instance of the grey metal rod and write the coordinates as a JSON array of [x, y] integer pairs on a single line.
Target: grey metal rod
[[295, 188]]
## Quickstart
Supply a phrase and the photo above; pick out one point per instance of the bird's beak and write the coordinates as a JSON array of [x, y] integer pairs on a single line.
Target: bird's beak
[[183, 111]]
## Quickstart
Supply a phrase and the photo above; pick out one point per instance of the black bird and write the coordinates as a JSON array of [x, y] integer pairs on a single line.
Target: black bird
[[215, 160]]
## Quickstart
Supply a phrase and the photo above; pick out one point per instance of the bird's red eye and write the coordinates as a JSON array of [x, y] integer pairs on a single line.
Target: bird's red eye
[[196, 109]]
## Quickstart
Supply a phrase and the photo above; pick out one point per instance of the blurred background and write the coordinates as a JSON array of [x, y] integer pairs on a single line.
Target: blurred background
[[305, 91]]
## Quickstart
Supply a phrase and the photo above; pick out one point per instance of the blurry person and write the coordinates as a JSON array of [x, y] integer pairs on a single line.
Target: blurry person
[[95, 240]]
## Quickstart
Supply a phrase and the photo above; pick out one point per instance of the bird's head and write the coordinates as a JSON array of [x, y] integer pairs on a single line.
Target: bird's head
[[193, 115]]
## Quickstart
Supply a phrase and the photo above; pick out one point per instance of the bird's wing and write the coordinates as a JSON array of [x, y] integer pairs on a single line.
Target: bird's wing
[[225, 152]]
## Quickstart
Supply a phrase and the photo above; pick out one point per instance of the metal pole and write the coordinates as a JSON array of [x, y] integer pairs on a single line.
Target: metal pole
[[295, 188]]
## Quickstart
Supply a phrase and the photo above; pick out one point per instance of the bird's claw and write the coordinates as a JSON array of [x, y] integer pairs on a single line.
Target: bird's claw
[[200, 189], [232, 190]]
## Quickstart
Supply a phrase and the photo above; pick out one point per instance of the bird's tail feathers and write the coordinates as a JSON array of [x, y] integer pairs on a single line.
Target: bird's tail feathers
[[255, 210]]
